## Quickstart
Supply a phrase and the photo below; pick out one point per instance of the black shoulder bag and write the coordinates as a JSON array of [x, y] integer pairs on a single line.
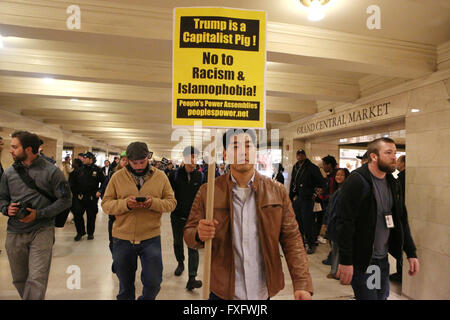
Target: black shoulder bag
[[60, 219]]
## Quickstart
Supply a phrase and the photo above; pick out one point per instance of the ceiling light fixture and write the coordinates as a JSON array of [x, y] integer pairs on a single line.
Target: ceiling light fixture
[[415, 110], [49, 80], [1, 42], [315, 11]]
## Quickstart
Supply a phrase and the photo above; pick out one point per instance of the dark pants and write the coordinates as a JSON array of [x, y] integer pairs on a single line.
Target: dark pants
[[334, 257], [318, 220], [361, 285], [125, 256], [306, 221], [212, 296], [90, 205], [178, 246], [111, 220]]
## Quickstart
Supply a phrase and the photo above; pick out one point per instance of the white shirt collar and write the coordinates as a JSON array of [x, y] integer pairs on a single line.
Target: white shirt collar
[[249, 183]]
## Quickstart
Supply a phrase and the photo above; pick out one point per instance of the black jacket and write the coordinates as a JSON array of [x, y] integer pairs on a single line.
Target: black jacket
[[279, 177], [185, 191], [401, 179], [357, 219], [304, 180], [106, 181], [86, 180]]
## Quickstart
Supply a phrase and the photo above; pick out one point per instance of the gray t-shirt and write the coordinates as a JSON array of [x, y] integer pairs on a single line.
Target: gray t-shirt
[[385, 202]]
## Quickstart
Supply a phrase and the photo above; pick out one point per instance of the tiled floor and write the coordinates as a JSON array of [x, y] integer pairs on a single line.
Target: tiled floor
[[99, 283]]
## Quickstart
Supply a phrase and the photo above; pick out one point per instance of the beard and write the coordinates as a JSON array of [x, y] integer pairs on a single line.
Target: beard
[[20, 157], [385, 166], [138, 172]]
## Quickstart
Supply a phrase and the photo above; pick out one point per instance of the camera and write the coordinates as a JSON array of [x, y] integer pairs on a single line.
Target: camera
[[141, 199], [23, 212]]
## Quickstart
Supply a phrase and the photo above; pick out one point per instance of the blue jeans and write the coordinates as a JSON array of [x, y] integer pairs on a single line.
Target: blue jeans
[[306, 220], [361, 288], [125, 256]]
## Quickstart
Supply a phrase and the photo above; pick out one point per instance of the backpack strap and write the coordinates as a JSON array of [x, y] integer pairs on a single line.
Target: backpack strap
[[23, 174]]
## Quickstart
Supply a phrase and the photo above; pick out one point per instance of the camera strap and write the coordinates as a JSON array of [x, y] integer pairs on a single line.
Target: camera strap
[[23, 174]]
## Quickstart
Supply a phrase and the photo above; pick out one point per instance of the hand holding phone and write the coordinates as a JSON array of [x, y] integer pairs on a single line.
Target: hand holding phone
[[145, 202]]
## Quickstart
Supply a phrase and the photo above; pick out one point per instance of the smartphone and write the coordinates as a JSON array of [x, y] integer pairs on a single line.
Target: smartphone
[[141, 199]]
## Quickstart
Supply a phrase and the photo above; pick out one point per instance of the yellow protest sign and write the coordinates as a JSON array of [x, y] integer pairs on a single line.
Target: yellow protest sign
[[219, 57]]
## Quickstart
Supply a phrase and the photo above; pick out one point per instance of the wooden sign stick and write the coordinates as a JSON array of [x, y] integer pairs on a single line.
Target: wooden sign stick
[[209, 216]]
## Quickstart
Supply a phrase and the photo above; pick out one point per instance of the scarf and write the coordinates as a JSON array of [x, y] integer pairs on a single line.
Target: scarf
[[141, 177]]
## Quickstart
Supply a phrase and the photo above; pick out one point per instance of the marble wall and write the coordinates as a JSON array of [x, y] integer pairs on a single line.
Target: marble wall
[[315, 151], [427, 178], [428, 189], [49, 148]]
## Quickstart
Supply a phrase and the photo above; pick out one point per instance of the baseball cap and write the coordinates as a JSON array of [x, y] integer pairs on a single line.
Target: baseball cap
[[364, 156], [89, 155], [301, 151], [137, 151]]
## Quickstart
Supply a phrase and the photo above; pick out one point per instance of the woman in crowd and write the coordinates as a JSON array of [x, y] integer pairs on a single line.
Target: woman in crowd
[[330, 220]]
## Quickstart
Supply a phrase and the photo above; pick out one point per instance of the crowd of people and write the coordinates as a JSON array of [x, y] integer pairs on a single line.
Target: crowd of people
[[362, 215]]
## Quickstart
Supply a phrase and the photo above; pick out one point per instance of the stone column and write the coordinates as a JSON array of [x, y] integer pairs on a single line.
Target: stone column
[[50, 148], [288, 159], [59, 151], [428, 190]]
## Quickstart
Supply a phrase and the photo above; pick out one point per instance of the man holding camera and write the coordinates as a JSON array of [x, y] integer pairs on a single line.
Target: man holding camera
[[23, 198], [137, 196]]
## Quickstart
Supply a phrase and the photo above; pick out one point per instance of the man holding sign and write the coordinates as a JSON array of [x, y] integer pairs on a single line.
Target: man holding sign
[[252, 216]]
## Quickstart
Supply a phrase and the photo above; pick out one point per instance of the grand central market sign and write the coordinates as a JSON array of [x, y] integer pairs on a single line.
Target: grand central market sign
[[346, 118]]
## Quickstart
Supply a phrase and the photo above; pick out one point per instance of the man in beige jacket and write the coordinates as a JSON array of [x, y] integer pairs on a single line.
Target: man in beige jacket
[[137, 196]]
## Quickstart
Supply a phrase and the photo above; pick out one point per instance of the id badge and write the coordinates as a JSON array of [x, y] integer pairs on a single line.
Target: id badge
[[389, 220]]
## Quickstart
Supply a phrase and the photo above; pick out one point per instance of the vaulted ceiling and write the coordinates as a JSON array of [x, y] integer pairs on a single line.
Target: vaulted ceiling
[[111, 80]]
